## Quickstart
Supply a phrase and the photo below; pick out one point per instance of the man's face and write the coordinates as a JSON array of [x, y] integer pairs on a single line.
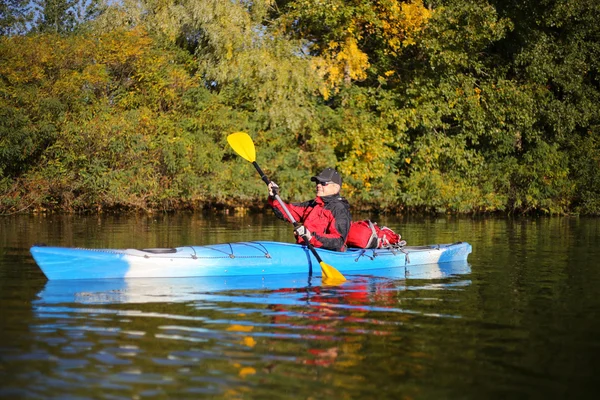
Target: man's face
[[327, 188]]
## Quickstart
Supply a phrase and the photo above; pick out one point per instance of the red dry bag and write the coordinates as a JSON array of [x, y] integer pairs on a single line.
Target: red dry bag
[[368, 235]]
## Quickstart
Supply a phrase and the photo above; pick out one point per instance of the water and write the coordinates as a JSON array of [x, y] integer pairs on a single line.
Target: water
[[520, 320]]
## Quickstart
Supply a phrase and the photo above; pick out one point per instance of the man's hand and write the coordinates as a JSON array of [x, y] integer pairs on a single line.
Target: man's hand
[[273, 189], [302, 231]]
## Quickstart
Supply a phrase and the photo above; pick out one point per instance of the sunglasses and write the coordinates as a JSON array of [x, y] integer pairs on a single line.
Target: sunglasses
[[323, 183]]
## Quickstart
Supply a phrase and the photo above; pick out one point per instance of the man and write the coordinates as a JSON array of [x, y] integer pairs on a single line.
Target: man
[[325, 219]]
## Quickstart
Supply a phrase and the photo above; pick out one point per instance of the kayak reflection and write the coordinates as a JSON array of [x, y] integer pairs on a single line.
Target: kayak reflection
[[148, 290]]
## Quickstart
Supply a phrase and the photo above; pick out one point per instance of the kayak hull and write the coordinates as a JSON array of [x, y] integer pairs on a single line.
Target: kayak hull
[[230, 259]]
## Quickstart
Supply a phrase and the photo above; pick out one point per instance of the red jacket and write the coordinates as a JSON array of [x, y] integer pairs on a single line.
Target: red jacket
[[327, 218]]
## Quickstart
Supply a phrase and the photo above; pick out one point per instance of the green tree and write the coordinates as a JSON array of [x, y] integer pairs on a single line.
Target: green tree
[[420, 85], [14, 15], [63, 16], [466, 125], [556, 45], [264, 77]]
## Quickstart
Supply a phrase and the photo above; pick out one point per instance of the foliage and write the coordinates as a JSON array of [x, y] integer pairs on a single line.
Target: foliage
[[63, 16], [14, 15], [558, 48], [110, 133], [349, 38], [443, 106]]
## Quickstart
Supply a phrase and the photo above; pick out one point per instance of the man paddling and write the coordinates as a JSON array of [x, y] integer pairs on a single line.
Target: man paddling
[[325, 219]]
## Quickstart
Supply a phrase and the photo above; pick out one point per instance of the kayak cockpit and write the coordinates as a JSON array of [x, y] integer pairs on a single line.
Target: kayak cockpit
[[166, 250]]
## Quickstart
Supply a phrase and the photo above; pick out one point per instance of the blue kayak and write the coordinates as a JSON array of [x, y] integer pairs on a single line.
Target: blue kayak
[[258, 258]]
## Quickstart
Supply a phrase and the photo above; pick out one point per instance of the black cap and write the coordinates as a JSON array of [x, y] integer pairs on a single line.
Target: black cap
[[328, 175]]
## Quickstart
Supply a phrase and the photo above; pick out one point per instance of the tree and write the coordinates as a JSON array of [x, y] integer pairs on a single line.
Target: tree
[[14, 16], [556, 45], [64, 16]]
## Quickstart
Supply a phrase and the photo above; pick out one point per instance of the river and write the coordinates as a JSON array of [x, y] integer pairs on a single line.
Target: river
[[520, 320]]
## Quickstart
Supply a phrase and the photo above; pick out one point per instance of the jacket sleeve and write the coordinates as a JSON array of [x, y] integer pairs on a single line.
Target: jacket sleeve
[[296, 209]]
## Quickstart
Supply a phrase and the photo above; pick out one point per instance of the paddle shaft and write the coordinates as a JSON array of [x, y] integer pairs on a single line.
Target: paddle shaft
[[261, 173], [287, 212]]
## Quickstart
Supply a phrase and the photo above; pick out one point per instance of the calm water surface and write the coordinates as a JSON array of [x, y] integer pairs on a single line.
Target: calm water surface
[[519, 321]]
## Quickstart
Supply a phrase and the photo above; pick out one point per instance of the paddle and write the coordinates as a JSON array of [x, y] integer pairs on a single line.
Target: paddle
[[242, 144]]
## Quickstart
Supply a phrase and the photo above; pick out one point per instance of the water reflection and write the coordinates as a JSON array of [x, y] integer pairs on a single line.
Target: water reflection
[[270, 287], [217, 336]]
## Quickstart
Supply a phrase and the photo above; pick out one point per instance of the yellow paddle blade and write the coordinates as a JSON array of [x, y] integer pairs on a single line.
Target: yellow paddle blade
[[331, 276], [242, 144]]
